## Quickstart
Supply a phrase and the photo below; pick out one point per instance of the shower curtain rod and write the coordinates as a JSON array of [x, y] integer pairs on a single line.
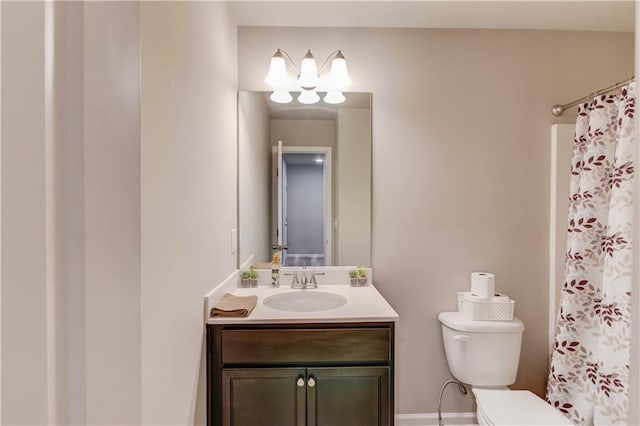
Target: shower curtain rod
[[557, 110]]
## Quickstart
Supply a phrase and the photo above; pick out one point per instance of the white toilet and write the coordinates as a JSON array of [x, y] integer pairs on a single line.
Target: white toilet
[[485, 355]]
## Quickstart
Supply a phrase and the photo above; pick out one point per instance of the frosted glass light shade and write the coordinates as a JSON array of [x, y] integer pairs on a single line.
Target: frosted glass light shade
[[308, 78], [335, 97], [281, 97], [277, 76], [339, 75], [308, 97]]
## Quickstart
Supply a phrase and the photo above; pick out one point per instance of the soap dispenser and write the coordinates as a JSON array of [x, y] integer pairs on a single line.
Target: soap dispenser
[[275, 269]]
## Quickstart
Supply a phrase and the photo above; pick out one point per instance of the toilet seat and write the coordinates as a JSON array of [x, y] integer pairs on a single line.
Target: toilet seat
[[511, 407]]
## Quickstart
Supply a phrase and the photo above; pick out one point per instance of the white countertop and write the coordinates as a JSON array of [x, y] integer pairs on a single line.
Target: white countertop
[[365, 304]]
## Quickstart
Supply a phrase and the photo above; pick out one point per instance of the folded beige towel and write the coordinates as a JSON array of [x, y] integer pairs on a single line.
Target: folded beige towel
[[234, 306]]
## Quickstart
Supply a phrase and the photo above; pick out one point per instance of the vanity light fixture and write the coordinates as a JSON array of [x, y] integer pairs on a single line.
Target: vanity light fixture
[[309, 82]]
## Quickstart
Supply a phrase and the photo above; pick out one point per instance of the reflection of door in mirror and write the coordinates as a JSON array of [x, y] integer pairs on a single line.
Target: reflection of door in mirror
[[302, 205], [344, 131]]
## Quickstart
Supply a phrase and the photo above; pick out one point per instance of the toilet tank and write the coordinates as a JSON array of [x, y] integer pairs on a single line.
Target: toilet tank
[[481, 353]]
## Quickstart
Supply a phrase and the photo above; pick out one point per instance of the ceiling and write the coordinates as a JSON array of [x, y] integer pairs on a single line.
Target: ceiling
[[506, 14]]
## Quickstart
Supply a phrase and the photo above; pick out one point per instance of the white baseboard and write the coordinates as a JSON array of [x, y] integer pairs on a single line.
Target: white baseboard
[[431, 419]]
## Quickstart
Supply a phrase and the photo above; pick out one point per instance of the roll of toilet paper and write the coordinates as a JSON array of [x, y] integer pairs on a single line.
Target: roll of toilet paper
[[483, 284]]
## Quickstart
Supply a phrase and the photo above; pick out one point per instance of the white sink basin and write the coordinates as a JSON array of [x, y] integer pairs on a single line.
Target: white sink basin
[[305, 301]]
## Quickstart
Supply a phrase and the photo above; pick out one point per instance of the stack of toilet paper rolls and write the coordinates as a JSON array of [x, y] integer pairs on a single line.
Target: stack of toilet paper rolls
[[482, 303]]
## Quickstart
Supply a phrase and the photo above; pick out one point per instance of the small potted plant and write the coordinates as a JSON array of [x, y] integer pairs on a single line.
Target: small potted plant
[[245, 279], [353, 276], [253, 277], [362, 276]]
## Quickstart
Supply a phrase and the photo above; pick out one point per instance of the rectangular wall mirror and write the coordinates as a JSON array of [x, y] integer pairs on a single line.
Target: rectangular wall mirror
[[304, 181]]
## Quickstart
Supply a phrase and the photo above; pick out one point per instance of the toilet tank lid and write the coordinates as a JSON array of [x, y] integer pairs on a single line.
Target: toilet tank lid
[[458, 321]]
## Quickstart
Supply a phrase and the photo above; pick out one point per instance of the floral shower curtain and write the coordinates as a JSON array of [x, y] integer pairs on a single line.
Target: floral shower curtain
[[589, 375]]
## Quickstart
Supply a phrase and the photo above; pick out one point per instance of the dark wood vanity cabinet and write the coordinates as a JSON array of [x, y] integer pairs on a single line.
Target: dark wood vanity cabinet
[[300, 374]]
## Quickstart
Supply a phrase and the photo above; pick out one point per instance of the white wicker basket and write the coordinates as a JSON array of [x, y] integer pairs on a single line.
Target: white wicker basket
[[499, 308]]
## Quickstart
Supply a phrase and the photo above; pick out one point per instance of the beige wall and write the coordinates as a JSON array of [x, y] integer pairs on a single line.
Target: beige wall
[[461, 154], [25, 275], [188, 195], [353, 182], [69, 223], [111, 239], [303, 132], [254, 178], [112, 212], [71, 181]]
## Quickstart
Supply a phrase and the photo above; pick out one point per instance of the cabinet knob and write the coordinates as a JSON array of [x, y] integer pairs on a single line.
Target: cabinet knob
[[300, 382], [311, 382]]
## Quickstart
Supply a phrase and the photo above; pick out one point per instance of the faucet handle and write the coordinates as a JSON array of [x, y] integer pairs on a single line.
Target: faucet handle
[[313, 277], [294, 280]]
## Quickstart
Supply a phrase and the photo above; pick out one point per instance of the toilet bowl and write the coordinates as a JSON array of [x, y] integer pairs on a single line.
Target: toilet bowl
[[515, 407], [485, 355]]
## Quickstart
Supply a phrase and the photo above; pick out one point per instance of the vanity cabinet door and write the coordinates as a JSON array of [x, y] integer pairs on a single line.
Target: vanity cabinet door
[[263, 397], [348, 396]]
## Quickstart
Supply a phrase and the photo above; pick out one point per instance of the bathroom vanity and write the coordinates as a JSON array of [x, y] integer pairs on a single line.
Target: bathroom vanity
[[332, 367]]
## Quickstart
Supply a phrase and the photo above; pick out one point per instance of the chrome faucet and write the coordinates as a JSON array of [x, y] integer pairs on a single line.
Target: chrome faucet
[[313, 281], [302, 281]]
